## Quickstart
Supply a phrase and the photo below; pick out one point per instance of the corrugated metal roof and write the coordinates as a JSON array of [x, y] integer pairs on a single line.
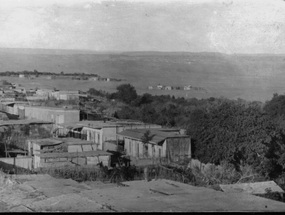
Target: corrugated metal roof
[[53, 108], [19, 151], [47, 142], [252, 188], [158, 135], [103, 124], [67, 141], [8, 103], [72, 127], [23, 122], [75, 141], [49, 150], [74, 154]]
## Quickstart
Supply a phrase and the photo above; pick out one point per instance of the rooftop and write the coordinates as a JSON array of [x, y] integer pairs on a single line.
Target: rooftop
[[253, 188], [47, 141], [23, 122], [103, 124], [56, 141], [75, 141], [14, 102], [136, 196], [53, 108], [67, 92], [158, 134], [74, 154]]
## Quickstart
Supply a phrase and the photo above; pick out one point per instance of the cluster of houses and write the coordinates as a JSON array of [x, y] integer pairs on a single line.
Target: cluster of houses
[[73, 77], [162, 87], [9, 92], [75, 141]]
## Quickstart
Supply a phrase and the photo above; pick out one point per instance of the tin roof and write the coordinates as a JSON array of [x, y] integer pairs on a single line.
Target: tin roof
[[158, 134], [73, 154], [52, 108], [103, 124], [18, 151], [76, 141], [72, 127], [23, 122], [252, 188], [57, 141], [47, 141], [8, 103]]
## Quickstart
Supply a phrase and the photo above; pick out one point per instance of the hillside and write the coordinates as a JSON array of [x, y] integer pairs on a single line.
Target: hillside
[[252, 77]]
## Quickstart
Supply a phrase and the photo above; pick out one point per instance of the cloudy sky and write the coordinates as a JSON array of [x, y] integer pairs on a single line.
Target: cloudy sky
[[229, 26]]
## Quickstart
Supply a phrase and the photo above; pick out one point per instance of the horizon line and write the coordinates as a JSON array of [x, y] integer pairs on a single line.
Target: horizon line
[[139, 51]]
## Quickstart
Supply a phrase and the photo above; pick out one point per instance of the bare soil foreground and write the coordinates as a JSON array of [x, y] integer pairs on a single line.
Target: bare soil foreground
[[41, 193]]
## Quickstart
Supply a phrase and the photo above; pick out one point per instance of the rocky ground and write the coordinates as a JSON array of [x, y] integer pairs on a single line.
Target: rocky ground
[[43, 193]]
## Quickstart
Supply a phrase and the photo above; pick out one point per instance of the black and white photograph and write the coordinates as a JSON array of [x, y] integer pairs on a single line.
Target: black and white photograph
[[142, 106]]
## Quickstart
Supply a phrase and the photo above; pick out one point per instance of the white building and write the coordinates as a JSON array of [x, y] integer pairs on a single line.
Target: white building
[[187, 87], [168, 88], [160, 87], [65, 95]]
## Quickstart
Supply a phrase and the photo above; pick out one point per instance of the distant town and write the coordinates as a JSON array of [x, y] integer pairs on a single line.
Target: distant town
[[168, 87], [48, 75]]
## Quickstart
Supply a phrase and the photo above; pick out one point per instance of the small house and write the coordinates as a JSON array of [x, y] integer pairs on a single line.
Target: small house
[[65, 95], [56, 115], [23, 75], [78, 145], [61, 151], [187, 87], [94, 78], [86, 158], [44, 93], [160, 87], [168, 88], [100, 132], [162, 144]]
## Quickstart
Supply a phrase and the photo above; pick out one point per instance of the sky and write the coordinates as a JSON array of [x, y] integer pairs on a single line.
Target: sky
[[227, 26]]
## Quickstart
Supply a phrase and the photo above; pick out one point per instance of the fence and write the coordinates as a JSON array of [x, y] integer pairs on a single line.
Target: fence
[[23, 162]]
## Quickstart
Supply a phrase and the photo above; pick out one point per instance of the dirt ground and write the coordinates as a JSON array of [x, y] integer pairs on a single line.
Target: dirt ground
[[43, 193]]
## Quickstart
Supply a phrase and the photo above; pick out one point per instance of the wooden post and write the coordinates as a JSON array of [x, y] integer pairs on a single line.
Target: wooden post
[[5, 144], [146, 173], [76, 158], [14, 163]]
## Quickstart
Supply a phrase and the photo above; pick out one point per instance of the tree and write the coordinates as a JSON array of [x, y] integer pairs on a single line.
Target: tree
[[146, 138], [239, 134], [126, 93], [276, 106], [146, 98]]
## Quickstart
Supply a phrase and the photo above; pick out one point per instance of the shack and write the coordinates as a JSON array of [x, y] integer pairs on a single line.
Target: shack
[[99, 131], [86, 158], [77, 145], [162, 144], [56, 115]]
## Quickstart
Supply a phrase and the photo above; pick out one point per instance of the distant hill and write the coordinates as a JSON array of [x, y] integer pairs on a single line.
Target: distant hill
[[252, 77]]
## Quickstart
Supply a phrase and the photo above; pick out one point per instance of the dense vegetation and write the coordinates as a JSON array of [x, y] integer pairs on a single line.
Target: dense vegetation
[[238, 132]]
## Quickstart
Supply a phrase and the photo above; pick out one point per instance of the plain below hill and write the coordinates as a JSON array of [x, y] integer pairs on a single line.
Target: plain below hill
[[251, 77]]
